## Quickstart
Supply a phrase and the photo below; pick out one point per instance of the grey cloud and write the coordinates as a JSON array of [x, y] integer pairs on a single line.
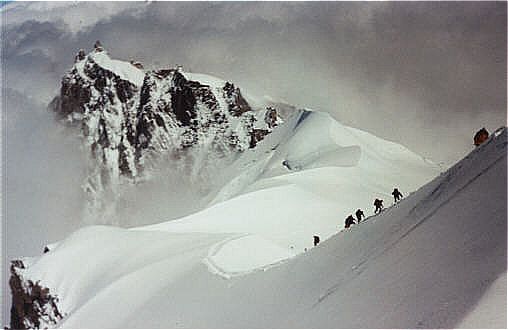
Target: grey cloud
[[406, 71], [42, 169]]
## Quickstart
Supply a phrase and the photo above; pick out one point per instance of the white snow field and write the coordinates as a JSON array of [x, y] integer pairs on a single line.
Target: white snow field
[[436, 259], [334, 170]]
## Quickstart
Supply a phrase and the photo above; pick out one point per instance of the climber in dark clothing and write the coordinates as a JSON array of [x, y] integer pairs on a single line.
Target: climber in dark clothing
[[378, 203], [316, 240], [396, 195], [350, 221], [359, 214]]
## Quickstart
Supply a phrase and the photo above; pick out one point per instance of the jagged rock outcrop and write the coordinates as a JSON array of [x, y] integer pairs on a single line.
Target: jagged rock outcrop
[[176, 112], [129, 117], [33, 306]]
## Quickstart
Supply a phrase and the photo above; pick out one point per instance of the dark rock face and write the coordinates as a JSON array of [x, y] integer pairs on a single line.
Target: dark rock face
[[188, 108], [129, 117], [236, 103], [100, 100], [153, 115], [183, 98], [73, 95], [256, 136], [33, 307]]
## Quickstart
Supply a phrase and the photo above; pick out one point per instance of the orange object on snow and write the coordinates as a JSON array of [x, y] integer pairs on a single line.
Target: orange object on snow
[[481, 136]]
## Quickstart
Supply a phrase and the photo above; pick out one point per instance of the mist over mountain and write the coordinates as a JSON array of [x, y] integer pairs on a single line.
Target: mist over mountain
[[432, 68]]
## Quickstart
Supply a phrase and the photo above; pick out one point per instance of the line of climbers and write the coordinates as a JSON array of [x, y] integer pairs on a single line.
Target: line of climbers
[[378, 203], [481, 136]]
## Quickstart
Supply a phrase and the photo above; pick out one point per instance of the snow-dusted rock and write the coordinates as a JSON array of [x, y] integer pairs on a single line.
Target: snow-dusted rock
[[129, 118], [33, 306]]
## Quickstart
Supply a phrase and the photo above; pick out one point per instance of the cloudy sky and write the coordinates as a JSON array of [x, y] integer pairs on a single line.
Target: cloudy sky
[[424, 74]]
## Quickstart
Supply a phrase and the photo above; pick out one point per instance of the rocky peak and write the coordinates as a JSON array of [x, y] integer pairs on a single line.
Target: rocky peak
[[236, 103], [80, 56], [98, 46], [128, 116]]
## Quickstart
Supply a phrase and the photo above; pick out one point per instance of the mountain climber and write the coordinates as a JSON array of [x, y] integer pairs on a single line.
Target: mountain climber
[[316, 240], [359, 214], [397, 195], [350, 221], [378, 203]]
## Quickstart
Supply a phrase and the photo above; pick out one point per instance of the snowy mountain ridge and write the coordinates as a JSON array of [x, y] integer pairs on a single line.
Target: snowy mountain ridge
[[427, 253], [270, 184]]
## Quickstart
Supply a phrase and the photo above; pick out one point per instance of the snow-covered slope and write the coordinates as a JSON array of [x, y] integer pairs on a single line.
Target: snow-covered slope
[[425, 262], [334, 169], [271, 183]]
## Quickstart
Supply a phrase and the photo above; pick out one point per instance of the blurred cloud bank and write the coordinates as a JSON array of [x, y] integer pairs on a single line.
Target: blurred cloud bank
[[417, 73]]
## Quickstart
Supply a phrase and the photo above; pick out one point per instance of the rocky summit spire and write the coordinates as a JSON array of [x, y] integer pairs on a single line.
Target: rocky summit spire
[[98, 46], [129, 118], [80, 56]]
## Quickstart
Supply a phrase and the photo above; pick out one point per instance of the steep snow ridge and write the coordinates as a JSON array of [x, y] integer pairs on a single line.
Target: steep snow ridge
[[422, 263], [311, 140], [322, 141], [250, 166], [288, 207]]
